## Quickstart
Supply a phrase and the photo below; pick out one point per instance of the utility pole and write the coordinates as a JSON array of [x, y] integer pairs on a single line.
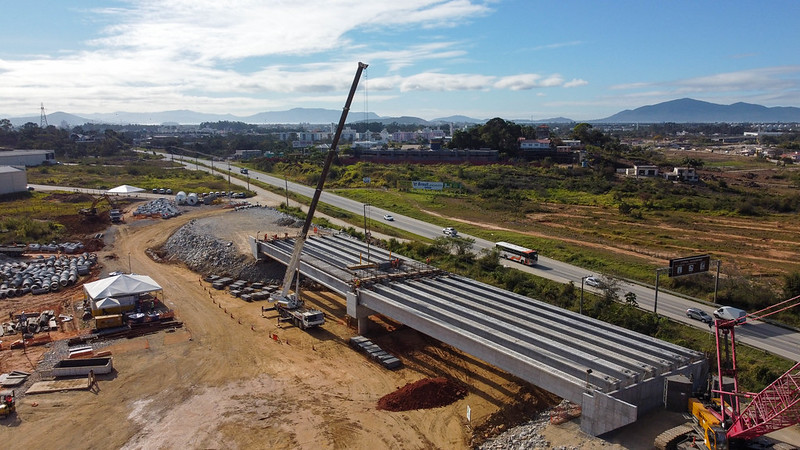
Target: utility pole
[[366, 230], [286, 183], [655, 299]]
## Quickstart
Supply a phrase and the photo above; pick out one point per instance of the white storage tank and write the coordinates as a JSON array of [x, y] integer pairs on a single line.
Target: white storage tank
[[180, 198], [191, 199]]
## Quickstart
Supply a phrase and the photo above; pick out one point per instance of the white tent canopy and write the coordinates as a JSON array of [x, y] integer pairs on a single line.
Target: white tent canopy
[[108, 302], [125, 189], [120, 286]]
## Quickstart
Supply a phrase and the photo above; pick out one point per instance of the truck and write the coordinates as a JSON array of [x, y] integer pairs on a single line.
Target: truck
[[292, 309], [115, 215]]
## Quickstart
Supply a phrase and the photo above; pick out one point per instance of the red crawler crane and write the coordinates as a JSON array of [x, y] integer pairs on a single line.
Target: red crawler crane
[[776, 406]]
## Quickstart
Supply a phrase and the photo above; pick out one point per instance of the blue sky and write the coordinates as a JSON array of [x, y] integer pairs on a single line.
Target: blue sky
[[516, 59]]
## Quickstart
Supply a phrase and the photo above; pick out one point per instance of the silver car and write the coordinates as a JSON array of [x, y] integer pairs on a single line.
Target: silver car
[[699, 314]]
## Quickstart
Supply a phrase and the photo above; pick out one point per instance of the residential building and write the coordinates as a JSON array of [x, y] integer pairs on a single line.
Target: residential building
[[682, 174], [642, 171]]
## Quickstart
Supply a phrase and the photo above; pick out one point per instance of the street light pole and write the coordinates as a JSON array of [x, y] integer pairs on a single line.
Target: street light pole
[[286, 183], [366, 231], [655, 297]]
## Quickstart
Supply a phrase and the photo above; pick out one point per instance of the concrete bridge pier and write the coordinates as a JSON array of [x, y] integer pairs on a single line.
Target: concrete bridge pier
[[358, 312]]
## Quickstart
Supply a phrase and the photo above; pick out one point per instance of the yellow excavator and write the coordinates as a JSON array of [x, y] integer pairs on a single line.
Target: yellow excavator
[[115, 213]]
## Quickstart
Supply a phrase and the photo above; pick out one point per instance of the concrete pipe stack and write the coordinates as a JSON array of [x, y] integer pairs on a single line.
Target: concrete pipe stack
[[43, 275]]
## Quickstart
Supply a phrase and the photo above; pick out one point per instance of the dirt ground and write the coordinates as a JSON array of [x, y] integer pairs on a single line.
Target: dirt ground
[[233, 377]]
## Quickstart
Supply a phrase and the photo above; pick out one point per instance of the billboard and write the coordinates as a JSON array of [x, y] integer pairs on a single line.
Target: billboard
[[428, 185], [689, 265]]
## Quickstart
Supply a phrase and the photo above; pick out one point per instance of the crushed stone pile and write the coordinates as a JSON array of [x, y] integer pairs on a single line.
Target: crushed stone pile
[[206, 254], [523, 437], [423, 394]]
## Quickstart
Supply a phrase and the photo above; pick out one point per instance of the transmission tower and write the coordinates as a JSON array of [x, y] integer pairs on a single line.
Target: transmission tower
[[43, 118]]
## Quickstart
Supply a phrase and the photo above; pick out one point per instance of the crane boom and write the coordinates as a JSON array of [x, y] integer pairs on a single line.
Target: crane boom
[[294, 261]]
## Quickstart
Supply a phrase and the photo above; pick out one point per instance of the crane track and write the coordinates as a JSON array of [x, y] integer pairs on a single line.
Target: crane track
[[668, 439]]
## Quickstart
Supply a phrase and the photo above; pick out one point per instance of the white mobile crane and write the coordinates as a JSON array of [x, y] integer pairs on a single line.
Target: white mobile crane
[[290, 306]]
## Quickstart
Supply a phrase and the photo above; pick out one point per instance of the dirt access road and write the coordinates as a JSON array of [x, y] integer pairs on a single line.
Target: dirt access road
[[222, 382]]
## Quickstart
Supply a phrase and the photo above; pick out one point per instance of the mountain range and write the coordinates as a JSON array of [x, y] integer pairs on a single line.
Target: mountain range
[[684, 110]]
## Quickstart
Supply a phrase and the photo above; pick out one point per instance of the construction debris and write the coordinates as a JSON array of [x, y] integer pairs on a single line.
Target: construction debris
[[13, 378]]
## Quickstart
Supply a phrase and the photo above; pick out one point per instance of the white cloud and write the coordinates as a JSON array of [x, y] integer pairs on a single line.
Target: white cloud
[[575, 82], [245, 56]]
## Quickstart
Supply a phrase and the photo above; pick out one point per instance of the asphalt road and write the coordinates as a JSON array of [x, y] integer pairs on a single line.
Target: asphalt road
[[774, 339]]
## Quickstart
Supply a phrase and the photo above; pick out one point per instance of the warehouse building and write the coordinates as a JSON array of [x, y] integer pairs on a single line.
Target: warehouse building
[[27, 158], [12, 179]]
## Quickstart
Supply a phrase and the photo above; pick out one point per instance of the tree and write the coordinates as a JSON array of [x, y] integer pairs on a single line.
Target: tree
[[791, 285], [630, 299]]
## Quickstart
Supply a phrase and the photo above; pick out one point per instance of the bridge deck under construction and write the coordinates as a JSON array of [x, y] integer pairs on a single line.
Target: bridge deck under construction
[[613, 373]]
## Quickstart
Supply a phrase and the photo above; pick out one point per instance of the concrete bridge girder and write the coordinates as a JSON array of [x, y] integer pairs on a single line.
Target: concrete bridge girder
[[510, 331]]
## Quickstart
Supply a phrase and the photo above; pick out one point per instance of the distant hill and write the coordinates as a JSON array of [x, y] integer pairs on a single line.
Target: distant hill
[[55, 118], [458, 119], [305, 115], [687, 110], [551, 120]]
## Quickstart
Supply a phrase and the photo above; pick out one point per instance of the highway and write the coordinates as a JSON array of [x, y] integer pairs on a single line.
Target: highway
[[774, 339]]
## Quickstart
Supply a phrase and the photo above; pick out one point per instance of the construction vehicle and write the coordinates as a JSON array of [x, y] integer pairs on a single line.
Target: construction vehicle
[[723, 417], [8, 403], [289, 306], [92, 210]]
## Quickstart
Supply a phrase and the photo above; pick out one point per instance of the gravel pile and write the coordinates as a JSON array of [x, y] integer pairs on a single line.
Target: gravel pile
[[522, 437], [205, 245]]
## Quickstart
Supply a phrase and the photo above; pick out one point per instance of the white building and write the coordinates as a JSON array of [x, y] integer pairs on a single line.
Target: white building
[[642, 171], [27, 157], [13, 179], [682, 174]]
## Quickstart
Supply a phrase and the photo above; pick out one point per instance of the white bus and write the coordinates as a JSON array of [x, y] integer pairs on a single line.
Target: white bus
[[518, 253]]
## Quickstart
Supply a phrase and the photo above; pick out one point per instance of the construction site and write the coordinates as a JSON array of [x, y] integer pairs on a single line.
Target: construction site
[[242, 327]]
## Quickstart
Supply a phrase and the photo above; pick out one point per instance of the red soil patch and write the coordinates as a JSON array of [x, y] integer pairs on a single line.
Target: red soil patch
[[423, 394]]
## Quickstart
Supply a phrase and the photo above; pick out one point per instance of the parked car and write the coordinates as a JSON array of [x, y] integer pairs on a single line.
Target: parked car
[[594, 281], [388, 217], [450, 231], [699, 314], [730, 313]]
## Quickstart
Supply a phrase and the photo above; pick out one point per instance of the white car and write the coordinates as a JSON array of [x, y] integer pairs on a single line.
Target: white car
[[731, 313], [594, 281], [388, 217], [450, 231]]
